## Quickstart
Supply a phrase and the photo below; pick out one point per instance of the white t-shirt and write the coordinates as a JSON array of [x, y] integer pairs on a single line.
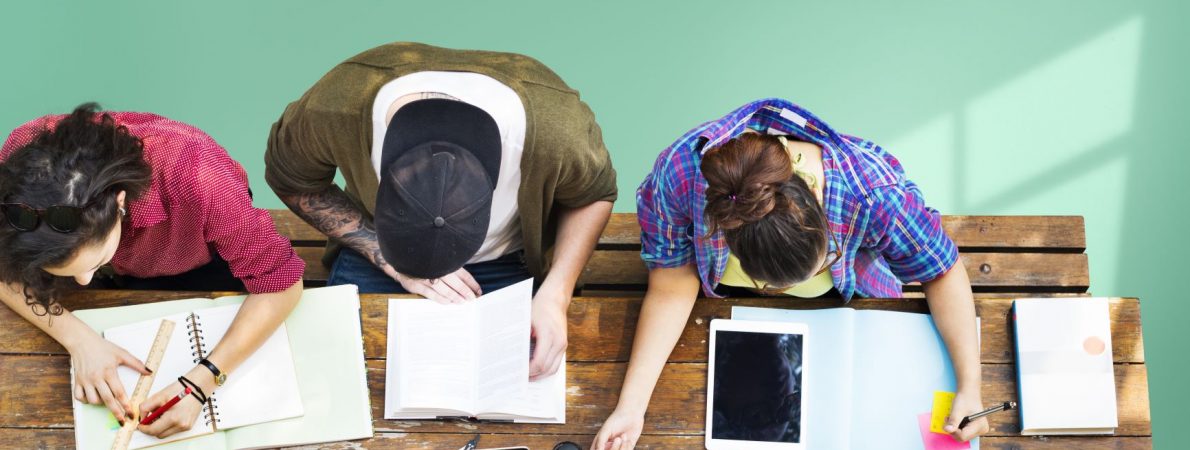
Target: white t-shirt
[[500, 102]]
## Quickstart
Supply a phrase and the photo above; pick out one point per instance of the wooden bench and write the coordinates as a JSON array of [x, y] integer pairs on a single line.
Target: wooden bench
[[35, 393], [1002, 253]]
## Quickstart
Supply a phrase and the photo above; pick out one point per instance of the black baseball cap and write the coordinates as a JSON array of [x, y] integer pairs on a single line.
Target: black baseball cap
[[438, 168]]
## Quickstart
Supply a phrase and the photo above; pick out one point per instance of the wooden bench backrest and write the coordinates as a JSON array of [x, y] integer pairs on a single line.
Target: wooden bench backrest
[[1044, 254]]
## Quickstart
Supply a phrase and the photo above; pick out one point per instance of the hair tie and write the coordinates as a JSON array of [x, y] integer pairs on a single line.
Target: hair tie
[[732, 197]]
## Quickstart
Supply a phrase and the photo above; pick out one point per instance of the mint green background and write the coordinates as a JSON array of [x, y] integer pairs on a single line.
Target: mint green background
[[994, 107]]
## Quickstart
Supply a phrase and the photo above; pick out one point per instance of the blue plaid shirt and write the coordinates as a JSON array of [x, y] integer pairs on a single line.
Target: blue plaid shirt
[[888, 234]]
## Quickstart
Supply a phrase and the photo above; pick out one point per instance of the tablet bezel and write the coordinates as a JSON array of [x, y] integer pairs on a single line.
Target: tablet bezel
[[754, 326]]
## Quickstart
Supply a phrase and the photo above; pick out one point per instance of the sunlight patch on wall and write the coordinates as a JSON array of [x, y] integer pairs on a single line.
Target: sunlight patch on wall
[[1033, 126]]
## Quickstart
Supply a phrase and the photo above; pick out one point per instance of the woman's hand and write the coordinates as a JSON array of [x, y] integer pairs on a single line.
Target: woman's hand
[[620, 431], [965, 404], [95, 360], [181, 417]]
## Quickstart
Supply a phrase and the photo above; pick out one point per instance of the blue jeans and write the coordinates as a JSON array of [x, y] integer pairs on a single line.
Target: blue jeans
[[352, 268]]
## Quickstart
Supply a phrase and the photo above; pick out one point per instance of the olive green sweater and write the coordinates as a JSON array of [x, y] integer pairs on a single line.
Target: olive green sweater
[[564, 163]]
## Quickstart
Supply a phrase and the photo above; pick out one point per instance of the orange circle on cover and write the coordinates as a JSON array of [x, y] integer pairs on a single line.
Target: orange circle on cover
[[1094, 346]]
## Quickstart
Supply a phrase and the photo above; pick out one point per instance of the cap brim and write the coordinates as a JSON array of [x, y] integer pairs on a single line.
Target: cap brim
[[442, 120]]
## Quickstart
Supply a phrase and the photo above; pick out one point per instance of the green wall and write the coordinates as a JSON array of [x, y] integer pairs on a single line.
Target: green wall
[[993, 107]]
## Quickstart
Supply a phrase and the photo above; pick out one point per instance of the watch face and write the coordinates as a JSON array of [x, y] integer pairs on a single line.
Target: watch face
[[220, 379]]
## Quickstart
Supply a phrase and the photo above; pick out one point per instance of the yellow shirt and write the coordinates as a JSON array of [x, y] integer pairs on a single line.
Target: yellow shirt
[[814, 287]]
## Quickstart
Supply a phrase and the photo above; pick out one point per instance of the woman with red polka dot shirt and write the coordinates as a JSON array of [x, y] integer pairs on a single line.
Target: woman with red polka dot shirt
[[149, 203]]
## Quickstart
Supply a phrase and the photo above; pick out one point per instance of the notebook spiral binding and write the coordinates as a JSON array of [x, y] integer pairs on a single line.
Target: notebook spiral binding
[[198, 351], [211, 412], [196, 341]]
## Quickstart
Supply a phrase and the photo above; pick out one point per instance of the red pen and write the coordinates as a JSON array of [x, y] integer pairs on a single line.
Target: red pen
[[156, 414]]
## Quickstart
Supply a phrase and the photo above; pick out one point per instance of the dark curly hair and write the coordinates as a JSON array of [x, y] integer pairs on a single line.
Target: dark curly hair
[[85, 160]]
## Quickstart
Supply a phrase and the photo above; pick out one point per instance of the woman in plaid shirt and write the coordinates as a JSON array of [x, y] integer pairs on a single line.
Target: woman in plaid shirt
[[770, 199]]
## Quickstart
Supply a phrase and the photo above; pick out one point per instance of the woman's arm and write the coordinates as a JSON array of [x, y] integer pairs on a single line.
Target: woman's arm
[[663, 316], [953, 307], [257, 319], [93, 358]]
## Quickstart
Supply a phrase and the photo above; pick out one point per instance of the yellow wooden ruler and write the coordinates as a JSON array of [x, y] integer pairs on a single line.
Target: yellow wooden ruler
[[156, 353]]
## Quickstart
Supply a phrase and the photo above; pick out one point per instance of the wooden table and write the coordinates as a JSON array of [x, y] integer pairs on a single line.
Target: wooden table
[[36, 408]]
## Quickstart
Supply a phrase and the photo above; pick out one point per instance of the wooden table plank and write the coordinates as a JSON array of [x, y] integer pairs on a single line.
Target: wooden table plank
[[677, 408], [601, 329], [64, 438], [1025, 271]]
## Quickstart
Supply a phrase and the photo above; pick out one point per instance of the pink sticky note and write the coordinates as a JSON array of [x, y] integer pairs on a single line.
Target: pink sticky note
[[937, 441]]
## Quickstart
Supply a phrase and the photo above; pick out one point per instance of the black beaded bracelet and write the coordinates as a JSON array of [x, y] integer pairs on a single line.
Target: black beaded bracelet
[[194, 389]]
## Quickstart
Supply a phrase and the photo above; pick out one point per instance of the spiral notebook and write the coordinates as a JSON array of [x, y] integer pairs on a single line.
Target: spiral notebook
[[262, 389]]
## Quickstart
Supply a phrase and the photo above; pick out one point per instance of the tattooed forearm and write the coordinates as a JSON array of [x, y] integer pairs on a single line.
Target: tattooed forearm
[[333, 213]]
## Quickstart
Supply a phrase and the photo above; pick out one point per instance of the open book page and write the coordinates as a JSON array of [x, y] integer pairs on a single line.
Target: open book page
[[94, 425], [179, 358], [264, 387], [544, 402], [827, 384], [900, 360], [503, 369], [431, 358], [326, 339]]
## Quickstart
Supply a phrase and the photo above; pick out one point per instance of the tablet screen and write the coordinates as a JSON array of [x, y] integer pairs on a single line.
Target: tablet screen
[[757, 387]]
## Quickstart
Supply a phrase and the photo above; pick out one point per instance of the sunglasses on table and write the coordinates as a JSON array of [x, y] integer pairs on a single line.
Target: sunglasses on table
[[60, 218]]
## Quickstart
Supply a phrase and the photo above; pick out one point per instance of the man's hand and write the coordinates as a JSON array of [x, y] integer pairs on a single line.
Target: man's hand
[[549, 331], [456, 287]]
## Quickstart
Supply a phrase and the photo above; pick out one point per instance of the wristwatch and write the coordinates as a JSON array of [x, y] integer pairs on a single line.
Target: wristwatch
[[220, 377]]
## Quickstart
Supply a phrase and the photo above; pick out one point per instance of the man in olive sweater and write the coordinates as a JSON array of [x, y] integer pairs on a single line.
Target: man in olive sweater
[[466, 171]]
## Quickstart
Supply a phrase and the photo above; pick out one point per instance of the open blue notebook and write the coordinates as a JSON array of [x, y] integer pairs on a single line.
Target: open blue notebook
[[875, 372]]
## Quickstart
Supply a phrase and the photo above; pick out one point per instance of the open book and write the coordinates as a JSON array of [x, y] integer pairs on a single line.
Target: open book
[[306, 384], [874, 372], [262, 389], [469, 360]]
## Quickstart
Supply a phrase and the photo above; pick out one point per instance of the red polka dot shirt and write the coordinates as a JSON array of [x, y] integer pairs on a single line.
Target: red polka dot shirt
[[197, 203]]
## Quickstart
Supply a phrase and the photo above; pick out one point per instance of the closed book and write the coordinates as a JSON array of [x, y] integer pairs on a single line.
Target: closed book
[[1064, 366]]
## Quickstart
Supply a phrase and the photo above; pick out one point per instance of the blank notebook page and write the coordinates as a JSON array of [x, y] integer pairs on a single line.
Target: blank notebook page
[[264, 387], [178, 359]]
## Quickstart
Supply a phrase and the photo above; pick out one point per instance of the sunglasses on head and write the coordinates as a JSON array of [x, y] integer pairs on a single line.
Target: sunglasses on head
[[60, 218]]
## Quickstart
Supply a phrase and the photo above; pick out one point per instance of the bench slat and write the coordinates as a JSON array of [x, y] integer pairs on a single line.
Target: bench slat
[[315, 271], [1058, 233], [1060, 272], [601, 329], [677, 407], [64, 438], [296, 229], [1044, 272]]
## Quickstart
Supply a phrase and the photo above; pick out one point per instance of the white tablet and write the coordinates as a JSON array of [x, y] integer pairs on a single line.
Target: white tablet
[[754, 385]]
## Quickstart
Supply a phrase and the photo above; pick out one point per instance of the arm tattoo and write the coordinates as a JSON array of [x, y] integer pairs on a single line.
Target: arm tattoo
[[333, 213]]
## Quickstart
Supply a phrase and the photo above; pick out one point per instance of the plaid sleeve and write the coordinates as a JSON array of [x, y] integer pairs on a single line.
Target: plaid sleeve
[[909, 234], [664, 222]]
